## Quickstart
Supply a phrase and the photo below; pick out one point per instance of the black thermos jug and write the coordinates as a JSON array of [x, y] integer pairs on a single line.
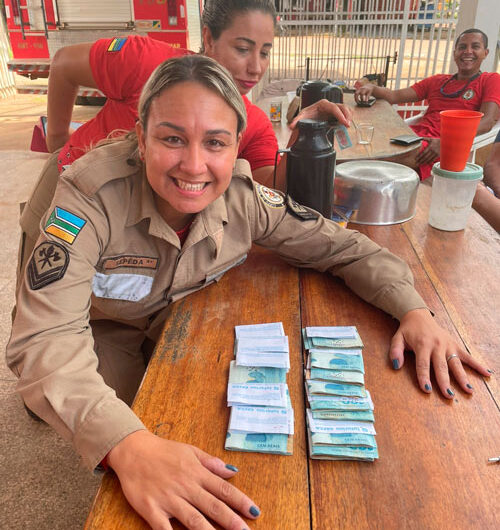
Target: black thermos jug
[[310, 167]]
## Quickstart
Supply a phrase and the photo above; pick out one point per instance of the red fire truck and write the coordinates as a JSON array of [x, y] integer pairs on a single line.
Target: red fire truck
[[38, 28]]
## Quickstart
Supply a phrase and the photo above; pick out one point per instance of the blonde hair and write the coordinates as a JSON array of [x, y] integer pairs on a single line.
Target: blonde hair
[[198, 69], [189, 68]]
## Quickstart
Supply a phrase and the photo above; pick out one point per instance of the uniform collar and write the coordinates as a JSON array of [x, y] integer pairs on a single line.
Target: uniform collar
[[208, 223]]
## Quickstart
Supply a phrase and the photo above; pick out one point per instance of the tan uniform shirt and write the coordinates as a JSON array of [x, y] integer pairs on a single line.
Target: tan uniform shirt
[[126, 264]]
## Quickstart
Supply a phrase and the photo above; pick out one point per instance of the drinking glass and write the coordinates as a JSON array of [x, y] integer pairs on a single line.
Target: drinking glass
[[365, 132]]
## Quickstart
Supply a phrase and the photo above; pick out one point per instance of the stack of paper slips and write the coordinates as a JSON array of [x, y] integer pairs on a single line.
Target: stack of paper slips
[[261, 418], [340, 414]]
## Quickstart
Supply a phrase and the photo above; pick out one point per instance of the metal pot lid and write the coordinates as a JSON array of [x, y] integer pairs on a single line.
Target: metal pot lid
[[375, 171]]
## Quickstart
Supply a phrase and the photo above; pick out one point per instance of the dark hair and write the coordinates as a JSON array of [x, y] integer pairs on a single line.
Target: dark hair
[[218, 15], [474, 30]]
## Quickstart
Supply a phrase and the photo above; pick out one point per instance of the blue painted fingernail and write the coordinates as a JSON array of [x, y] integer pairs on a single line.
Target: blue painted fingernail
[[254, 511], [232, 468], [395, 364], [450, 392], [490, 371], [428, 387], [469, 386]]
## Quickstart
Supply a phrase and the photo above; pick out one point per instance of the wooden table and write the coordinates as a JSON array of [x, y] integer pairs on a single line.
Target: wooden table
[[387, 122], [432, 472]]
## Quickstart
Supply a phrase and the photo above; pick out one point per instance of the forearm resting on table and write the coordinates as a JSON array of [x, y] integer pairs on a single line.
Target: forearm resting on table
[[404, 95]]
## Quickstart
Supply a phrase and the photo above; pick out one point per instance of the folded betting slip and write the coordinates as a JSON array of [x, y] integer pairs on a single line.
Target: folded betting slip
[[260, 351], [326, 388], [357, 415], [278, 444], [330, 342], [259, 394], [332, 332], [276, 360], [351, 439], [255, 374], [265, 420], [362, 453], [336, 376], [318, 402], [338, 427], [262, 344], [343, 351], [335, 361], [271, 329]]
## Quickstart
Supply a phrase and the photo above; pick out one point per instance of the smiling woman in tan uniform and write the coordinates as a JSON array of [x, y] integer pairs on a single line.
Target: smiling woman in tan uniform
[[139, 223]]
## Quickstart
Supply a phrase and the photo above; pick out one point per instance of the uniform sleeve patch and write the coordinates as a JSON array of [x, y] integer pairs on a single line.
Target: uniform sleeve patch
[[300, 211], [270, 197], [48, 264], [117, 44], [64, 225]]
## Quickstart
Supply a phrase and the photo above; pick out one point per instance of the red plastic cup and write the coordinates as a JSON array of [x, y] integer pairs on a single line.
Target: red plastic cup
[[458, 129]]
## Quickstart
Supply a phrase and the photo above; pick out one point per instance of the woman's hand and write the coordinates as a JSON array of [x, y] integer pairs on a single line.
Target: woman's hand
[[419, 332], [162, 479], [324, 110]]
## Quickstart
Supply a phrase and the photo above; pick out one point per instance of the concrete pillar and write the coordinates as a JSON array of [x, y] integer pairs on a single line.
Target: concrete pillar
[[481, 14]]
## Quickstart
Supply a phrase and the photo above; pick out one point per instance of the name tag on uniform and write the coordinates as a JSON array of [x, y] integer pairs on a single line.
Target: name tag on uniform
[[129, 287]]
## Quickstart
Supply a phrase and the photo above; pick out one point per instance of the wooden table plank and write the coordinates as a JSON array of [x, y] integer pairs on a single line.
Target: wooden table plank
[[189, 372], [464, 269], [388, 124], [432, 471]]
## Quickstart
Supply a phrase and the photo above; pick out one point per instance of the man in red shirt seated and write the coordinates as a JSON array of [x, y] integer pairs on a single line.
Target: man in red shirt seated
[[468, 89]]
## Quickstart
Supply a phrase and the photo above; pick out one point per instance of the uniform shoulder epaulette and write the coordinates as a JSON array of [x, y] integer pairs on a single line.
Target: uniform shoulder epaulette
[[102, 165]]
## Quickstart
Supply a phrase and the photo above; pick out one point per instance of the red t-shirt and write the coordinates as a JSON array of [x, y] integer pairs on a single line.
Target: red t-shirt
[[484, 88], [120, 68]]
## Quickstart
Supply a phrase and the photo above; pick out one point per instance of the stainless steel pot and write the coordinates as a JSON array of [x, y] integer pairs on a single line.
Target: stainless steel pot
[[377, 192]]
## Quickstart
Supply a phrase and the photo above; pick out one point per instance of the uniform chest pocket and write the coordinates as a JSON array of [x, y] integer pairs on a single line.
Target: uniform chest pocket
[[129, 287], [217, 274]]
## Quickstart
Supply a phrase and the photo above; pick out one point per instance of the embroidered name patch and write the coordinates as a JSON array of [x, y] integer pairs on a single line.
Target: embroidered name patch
[[48, 264], [270, 197], [117, 44], [299, 211], [64, 225], [137, 262]]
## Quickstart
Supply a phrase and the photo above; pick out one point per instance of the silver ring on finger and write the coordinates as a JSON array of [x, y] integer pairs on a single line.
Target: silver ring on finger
[[450, 357]]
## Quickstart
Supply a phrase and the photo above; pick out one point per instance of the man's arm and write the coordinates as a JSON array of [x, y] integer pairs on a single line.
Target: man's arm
[[487, 206], [492, 168], [403, 95], [69, 69], [490, 111]]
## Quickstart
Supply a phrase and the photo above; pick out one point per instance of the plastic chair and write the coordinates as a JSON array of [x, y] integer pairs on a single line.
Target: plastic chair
[[481, 140]]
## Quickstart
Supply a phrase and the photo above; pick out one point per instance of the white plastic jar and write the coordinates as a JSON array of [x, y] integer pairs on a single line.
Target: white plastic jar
[[452, 195]]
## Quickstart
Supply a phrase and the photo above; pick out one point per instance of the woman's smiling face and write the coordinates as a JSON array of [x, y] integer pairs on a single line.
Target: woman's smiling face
[[189, 149], [244, 47]]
